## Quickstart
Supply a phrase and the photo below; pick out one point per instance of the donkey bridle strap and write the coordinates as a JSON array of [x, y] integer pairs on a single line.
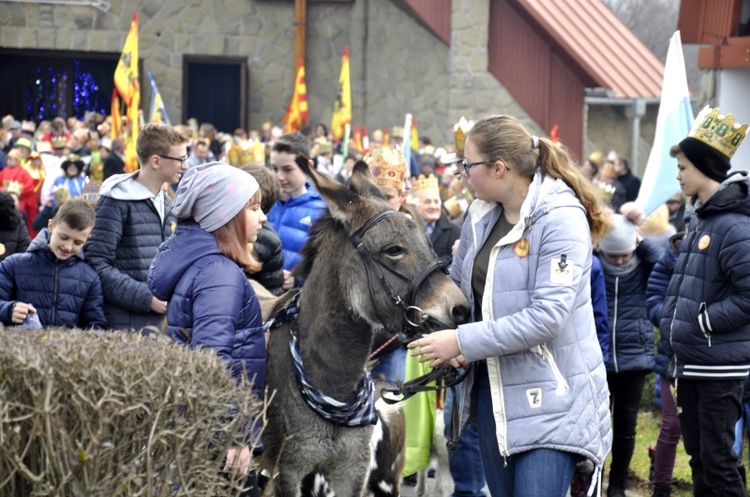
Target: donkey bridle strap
[[415, 317], [444, 376]]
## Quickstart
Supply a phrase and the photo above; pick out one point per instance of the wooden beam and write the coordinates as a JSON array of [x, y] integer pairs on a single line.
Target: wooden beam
[[300, 25], [736, 53]]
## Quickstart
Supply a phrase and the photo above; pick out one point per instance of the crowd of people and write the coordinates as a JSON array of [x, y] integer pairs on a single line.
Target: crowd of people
[[566, 276]]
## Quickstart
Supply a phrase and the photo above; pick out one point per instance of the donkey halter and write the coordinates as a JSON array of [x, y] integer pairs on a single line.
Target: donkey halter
[[414, 316], [442, 377]]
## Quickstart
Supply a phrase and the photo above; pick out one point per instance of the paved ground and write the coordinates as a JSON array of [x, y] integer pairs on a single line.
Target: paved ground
[[431, 491]]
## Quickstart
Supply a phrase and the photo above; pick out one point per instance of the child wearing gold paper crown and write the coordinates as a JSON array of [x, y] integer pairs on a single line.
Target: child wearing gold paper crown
[[708, 301]]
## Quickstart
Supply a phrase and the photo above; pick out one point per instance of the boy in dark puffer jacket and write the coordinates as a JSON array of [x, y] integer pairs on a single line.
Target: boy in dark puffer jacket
[[51, 280], [133, 217], [708, 299]]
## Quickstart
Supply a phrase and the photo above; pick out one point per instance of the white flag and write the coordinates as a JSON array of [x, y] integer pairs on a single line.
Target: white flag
[[672, 126]]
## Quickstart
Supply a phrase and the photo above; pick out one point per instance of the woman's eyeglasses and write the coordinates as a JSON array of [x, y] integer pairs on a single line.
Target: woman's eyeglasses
[[469, 165]]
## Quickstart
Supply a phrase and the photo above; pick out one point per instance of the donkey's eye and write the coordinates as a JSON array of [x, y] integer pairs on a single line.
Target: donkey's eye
[[394, 251]]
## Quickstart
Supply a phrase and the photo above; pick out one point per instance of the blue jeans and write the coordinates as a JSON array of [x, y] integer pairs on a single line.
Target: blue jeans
[[392, 366], [465, 460], [742, 427], [534, 473]]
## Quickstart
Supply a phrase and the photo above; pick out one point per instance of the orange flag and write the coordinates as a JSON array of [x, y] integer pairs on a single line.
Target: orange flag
[[296, 113], [116, 115], [131, 157], [358, 138], [554, 135]]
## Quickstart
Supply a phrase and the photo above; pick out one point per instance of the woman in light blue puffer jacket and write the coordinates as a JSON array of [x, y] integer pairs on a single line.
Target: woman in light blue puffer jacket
[[537, 386]]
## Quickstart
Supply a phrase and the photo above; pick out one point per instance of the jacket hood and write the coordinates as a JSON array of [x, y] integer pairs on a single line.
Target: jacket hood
[[673, 250], [188, 244], [545, 193], [732, 196], [40, 243], [124, 187], [311, 193]]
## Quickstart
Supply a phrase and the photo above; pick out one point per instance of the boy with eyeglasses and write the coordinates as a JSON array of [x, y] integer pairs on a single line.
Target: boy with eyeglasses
[[132, 219]]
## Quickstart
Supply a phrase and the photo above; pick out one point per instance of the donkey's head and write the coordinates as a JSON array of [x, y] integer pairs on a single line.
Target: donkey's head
[[373, 263]]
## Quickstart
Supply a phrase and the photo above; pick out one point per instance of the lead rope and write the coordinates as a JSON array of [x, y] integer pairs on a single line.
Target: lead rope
[[444, 376], [386, 344]]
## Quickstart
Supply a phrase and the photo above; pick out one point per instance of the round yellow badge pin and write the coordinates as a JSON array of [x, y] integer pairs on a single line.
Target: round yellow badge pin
[[704, 242], [522, 248]]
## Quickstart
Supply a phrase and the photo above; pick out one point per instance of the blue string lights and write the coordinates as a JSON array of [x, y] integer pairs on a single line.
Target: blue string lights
[[48, 89]]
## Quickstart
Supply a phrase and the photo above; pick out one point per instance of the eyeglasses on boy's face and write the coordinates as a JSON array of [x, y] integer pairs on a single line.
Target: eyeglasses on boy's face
[[181, 160]]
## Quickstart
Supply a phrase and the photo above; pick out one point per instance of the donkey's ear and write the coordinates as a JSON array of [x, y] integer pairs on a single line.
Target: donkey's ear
[[342, 202], [363, 183]]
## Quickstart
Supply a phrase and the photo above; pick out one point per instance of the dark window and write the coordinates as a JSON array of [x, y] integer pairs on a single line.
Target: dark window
[[215, 91], [39, 85]]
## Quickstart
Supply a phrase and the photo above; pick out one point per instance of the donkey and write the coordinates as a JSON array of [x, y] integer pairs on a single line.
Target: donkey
[[365, 266]]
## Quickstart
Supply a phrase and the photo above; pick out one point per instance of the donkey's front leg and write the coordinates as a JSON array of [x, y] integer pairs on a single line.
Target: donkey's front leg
[[350, 479], [288, 482]]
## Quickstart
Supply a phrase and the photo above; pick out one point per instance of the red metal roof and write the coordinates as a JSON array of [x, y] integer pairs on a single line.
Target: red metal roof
[[595, 40], [436, 14]]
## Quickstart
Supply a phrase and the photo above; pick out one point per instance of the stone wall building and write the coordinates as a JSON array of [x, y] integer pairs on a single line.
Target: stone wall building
[[195, 49]]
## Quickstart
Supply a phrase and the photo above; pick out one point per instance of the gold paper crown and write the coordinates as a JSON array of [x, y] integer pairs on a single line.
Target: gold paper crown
[[59, 142], [605, 192], [91, 192], [453, 207], [245, 152], [387, 166], [718, 132], [62, 194], [14, 187], [459, 134], [425, 185]]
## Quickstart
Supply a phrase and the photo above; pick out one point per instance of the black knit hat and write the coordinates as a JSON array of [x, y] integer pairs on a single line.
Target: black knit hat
[[712, 163]]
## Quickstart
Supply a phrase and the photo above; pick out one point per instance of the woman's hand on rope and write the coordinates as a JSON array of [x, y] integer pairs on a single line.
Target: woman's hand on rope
[[440, 347]]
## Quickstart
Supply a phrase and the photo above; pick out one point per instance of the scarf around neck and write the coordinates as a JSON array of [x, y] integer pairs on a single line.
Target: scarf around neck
[[623, 270]]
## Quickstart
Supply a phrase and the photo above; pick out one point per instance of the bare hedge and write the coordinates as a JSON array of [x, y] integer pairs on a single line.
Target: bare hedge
[[113, 413]]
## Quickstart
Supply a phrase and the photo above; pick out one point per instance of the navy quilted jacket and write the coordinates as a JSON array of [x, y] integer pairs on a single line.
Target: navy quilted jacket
[[292, 221], [599, 303], [65, 293], [127, 233], [632, 345], [708, 301], [656, 292], [14, 240], [267, 251], [211, 303]]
